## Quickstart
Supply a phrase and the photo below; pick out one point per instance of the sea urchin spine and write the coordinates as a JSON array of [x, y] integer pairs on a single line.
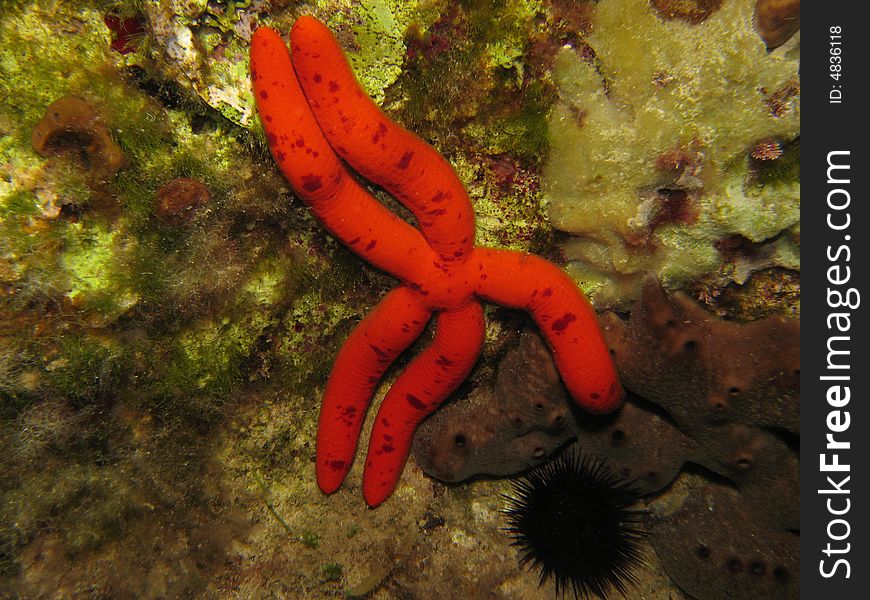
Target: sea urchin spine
[[572, 520]]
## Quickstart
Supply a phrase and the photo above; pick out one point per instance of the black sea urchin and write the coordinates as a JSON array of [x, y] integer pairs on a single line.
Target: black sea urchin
[[571, 519]]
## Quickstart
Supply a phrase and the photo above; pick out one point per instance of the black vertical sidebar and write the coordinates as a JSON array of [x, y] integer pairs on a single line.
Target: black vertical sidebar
[[835, 369]]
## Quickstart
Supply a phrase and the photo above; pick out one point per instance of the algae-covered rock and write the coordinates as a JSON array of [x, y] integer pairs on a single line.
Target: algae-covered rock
[[651, 159], [205, 44]]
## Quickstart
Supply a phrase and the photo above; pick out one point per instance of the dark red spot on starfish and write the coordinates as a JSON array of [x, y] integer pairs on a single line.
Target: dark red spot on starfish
[[280, 156], [595, 395], [562, 322], [439, 197], [371, 244], [419, 289], [337, 465], [334, 87], [405, 160], [311, 183], [443, 361], [353, 241], [381, 354], [318, 78], [415, 402], [263, 94], [547, 292], [437, 212], [300, 141], [268, 118]]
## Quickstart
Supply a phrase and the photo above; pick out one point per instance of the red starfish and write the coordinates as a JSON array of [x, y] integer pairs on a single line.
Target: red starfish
[[313, 111]]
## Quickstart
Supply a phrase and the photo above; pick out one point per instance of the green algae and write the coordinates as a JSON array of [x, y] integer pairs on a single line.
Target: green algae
[[468, 71], [205, 45], [90, 255], [106, 311]]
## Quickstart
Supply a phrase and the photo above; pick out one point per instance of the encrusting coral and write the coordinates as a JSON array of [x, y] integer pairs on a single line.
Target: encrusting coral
[[703, 391], [650, 161]]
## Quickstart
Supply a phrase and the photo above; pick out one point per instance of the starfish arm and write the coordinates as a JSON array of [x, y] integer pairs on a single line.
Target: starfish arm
[[564, 316], [375, 343], [317, 175], [379, 149], [420, 389]]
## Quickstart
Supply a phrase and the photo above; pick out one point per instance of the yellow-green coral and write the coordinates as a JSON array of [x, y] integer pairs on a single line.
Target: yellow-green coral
[[378, 27], [705, 92], [204, 45]]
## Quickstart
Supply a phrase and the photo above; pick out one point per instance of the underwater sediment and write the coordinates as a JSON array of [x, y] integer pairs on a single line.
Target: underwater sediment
[[170, 311]]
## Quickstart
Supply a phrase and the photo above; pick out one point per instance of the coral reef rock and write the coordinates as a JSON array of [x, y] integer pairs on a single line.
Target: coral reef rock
[[650, 160], [690, 11]]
